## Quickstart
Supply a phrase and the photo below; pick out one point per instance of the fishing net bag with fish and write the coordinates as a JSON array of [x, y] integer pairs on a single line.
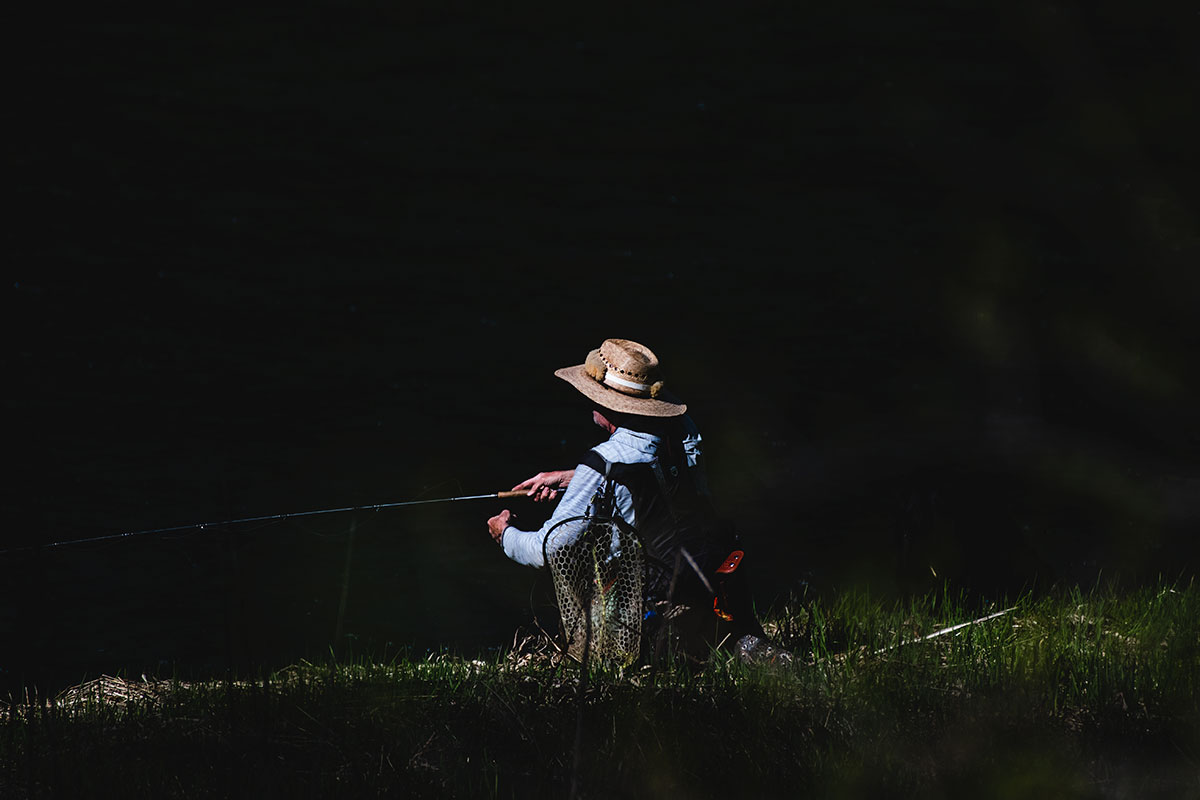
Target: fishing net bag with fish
[[598, 566]]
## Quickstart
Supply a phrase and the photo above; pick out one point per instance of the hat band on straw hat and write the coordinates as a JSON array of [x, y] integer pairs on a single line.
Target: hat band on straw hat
[[603, 372], [613, 380]]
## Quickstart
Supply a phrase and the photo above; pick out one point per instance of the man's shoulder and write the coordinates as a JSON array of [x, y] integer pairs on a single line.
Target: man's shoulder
[[619, 453], [627, 447]]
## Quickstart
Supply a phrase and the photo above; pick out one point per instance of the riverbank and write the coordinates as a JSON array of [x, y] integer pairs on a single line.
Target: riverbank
[[1071, 694]]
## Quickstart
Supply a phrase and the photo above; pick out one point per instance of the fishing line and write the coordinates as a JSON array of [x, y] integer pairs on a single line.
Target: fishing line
[[944, 631], [265, 518]]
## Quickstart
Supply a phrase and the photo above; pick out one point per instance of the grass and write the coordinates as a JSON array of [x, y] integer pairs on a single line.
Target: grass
[[1069, 694]]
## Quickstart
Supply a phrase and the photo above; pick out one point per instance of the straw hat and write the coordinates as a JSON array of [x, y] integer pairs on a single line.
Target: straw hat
[[623, 376]]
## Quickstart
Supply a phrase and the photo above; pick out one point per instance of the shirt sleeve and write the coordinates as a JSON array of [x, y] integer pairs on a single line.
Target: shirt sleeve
[[693, 449], [525, 547]]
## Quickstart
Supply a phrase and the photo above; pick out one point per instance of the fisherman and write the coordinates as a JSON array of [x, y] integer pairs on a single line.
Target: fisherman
[[653, 460]]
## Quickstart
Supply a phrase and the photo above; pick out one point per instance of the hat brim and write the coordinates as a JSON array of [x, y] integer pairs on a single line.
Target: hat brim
[[616, 401]]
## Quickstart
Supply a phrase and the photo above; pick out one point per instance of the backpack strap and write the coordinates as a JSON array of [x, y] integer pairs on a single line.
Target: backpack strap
[[604, 501], [596, 461], [635, 477], [615, 470]]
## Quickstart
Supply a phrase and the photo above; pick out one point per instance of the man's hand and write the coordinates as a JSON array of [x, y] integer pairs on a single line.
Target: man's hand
[[546, 485], [497, 524]]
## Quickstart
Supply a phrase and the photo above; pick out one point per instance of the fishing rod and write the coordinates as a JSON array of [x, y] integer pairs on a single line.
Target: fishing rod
[[266, 518]]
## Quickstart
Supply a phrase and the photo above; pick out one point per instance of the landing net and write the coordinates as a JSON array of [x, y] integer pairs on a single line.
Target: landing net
[[598, 567]]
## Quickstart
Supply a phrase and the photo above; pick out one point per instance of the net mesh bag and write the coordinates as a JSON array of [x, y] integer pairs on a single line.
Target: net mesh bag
[[598, 568]]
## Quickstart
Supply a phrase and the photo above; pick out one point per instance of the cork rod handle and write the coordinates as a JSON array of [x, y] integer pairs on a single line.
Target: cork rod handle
[[518, 493]]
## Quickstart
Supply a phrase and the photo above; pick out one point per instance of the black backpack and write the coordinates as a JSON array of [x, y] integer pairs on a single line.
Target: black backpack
[[686, 543]]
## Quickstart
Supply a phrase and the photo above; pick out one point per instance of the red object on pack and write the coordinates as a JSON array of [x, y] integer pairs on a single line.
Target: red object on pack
[[731, 562], [717, 610]]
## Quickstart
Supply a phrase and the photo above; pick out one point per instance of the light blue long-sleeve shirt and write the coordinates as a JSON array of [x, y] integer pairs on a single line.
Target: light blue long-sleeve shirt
[[624, 446]]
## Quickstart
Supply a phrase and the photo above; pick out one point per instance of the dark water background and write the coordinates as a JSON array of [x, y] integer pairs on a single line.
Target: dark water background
[[926, 276]]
